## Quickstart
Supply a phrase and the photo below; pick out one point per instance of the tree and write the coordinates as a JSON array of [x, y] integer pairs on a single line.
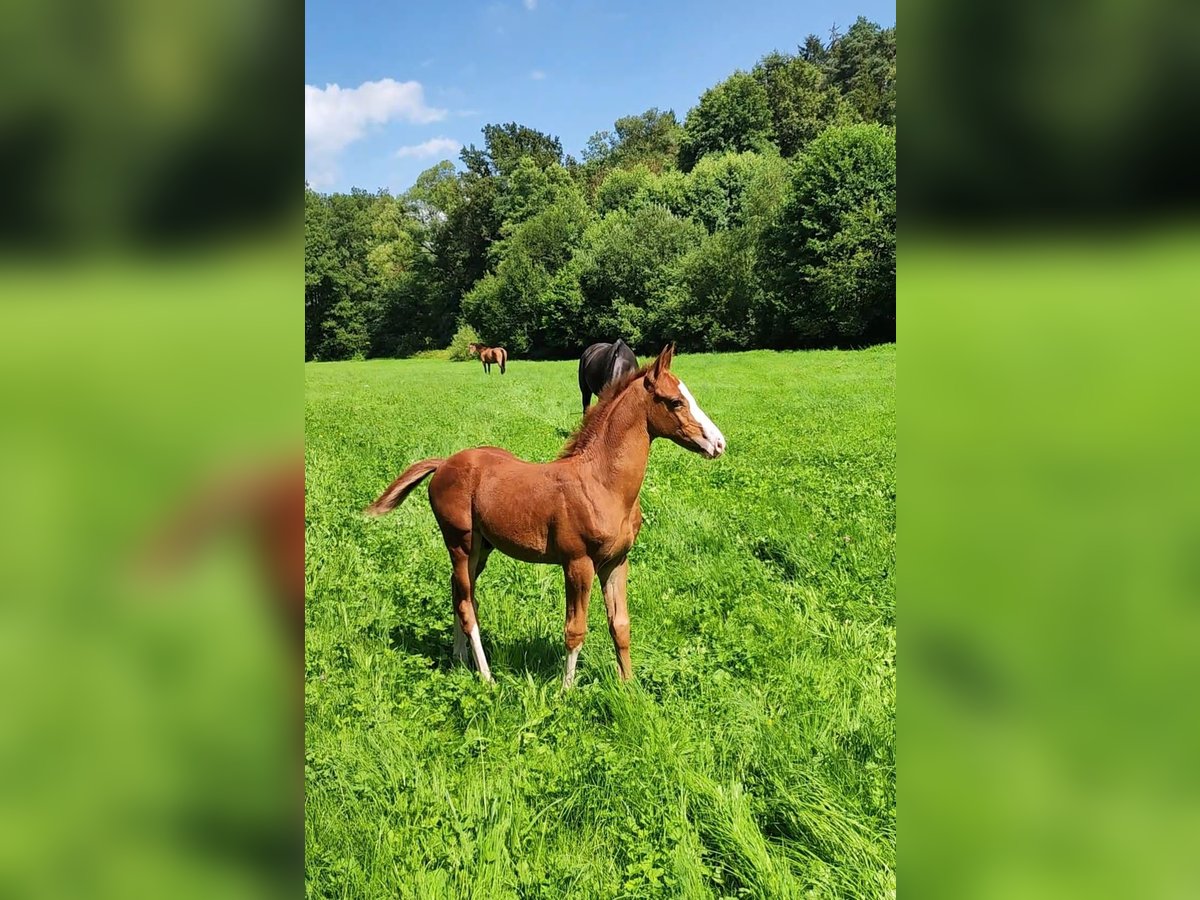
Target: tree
[[831, 257], [716, 188], [734, 115], [764, 220], [813, 50], [531, 302], [506, 145], [802, 102], [650, 139], [320, 266], [624, 189], [433, 195], [862, 64], [531, 188], [629, 267], [719, 308], [338, 283], [462, 243]]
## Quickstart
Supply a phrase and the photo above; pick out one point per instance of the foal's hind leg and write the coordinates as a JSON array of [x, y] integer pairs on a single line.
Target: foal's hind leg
[[579, 576], [480, 550], [461, 588]]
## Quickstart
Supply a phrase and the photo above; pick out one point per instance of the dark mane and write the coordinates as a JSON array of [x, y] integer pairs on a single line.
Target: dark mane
[[596, 414]]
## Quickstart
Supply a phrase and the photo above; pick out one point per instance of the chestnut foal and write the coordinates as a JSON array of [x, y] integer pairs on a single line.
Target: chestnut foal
[[580, 511], [488, 356]]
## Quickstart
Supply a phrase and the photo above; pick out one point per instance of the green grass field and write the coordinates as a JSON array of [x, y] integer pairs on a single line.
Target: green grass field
[[753, 755]]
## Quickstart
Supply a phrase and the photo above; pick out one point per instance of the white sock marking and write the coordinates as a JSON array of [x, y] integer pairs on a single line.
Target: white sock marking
[[480, 660], [572, 658], [712, 434]]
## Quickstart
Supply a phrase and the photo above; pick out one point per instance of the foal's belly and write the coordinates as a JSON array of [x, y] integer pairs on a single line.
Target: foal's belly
[[546, 547], [524, 550], [516, 514]]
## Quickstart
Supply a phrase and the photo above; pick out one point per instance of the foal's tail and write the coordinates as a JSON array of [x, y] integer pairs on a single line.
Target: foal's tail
[[402, 486], [503, 359]]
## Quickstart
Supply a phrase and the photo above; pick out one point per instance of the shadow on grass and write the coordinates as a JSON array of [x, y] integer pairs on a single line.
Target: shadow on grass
[[538, 655], [436, 646], [535, 654]]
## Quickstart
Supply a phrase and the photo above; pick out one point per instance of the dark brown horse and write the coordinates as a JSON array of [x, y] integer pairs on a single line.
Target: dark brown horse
[[601, 364], [580, 511], [489, 355]]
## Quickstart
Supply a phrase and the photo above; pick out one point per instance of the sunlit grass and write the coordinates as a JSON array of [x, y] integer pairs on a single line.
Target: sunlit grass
[[754, 753]]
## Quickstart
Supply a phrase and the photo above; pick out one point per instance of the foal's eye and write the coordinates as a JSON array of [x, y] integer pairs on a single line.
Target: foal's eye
[[674, 404]]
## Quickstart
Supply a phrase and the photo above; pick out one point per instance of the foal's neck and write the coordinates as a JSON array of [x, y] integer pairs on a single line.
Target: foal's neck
[[622, 449]]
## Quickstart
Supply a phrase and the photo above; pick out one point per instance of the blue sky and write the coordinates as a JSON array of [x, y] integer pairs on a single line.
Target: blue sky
[[416, 80]]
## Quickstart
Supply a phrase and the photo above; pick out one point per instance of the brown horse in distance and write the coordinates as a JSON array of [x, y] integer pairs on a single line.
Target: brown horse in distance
[[489, 355], [580, 511]]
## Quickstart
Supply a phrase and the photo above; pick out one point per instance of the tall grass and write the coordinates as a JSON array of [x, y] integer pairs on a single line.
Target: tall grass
[[753, 755]]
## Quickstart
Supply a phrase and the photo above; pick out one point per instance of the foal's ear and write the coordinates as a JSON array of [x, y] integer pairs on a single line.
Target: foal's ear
[[668, 354], [661, 364]]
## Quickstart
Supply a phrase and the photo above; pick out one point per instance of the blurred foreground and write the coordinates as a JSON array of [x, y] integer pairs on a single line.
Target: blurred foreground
[[148, 339], [150, 469], [1048, 438], [1050, 514]]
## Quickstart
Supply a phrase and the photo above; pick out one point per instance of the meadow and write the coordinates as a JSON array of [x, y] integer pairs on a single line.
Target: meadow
[[753, 755]]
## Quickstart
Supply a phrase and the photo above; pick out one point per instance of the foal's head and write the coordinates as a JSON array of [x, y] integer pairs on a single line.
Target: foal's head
[[674, 413], [474, 349]]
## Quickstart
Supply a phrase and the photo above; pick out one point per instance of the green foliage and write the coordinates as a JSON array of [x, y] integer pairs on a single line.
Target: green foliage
[[506, 145], [444, 354], [717, 188], [650, 140], [734, 115], [464, 336], [549, 235], [630, 268], [501, 303], [435, 194], [802, 101], [862, 64], [834, 245], [719, 308], [692, 232], [525, 303], [624, 189], [338, 281], [754, 753], [531, 188]]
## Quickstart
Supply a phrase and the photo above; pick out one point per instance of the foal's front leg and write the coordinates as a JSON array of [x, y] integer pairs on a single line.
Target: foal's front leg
[[612, 581], [579, 575]]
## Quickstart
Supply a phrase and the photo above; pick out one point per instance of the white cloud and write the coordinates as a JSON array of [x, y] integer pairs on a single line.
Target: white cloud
[[438, 146], [530, 5], [537, 74], [335, 117]]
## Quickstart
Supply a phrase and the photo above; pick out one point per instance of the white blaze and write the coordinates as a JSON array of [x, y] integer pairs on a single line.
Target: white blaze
[[712, 434]]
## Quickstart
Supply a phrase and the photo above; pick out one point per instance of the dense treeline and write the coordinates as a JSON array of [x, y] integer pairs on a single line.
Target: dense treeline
[[766, 219]]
